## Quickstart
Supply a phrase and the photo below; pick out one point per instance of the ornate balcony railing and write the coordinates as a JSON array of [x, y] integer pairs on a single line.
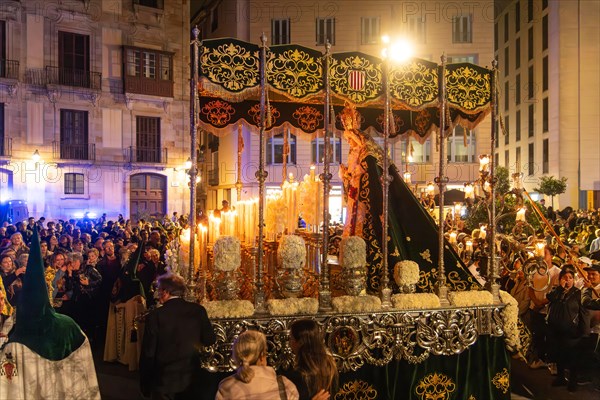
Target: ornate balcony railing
[[73, 77], [70, 151], [6, 147], [156, 155], [9, 69]]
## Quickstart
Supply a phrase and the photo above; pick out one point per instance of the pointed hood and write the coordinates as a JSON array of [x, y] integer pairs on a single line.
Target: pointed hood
[[44, 331]]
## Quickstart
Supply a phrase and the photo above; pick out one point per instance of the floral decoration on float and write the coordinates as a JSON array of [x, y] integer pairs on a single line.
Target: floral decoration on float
[[229, 308], [353, 257], [510, 321], [293, 306], [292, 252], [227, 253], [227, 259], [415, 301], [406, 275], [356, 304], [471, 298]]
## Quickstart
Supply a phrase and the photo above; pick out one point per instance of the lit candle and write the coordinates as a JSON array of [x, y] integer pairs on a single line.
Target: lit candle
[[521, 214], [407, 176], [203, 244], [483, 233], [540, 247], [452, 237], [430, 189], [484, 163], [469, 246], [457, 209], [517, 182], [469, 191]]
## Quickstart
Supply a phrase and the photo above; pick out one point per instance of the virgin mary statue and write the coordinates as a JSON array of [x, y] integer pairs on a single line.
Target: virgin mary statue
[[412, 233]]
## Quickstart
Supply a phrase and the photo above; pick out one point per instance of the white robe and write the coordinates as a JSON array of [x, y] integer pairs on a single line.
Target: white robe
[[38, 378]]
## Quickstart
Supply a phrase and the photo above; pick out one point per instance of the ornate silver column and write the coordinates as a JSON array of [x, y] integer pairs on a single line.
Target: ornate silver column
[[442, 180], [194, 108], [324, 292], [493, 273], [384, 289], [261, 176]]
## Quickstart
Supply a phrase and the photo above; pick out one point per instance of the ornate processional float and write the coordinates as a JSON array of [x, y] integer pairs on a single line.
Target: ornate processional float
[[401, 313]]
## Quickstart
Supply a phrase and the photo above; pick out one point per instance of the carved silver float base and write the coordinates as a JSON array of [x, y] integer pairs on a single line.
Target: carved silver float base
[[374, 338]]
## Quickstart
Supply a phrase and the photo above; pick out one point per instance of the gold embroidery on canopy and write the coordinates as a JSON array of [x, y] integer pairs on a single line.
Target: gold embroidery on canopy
[[339, 71], [254, 112], [435, 387], [502, 381], [395, 127], [422, 122], [468, 88], [230, 65], [218, 112], [308, 118], [414, 84], [295, 72], [356, 390]]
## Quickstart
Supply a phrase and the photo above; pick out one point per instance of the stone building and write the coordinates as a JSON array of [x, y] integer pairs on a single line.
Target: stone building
[[549, 61], [94, 106]]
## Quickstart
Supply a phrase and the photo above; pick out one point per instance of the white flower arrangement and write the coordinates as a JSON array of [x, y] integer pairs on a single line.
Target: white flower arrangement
[[510, 317], [227, 253], [356, 304], [471, 298], [229, 308], [353, 252], [292, 251], [293, 306], [406, 273], [415, 301]]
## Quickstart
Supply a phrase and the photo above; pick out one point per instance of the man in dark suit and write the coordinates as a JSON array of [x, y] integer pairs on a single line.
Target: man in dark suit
[[173, 335]]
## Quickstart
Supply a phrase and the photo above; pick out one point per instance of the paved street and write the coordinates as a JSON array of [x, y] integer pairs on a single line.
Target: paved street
[[117, 383]]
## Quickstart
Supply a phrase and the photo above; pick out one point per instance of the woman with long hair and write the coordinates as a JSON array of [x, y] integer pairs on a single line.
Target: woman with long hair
[[253, 378], [315, 372]]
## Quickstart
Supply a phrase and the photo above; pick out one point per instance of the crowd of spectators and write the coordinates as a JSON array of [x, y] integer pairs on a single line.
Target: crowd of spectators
[[83, 259], [564, 332]]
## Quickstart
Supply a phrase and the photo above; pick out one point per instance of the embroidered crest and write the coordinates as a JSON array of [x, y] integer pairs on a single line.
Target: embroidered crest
[[502, 381], [8, 366]]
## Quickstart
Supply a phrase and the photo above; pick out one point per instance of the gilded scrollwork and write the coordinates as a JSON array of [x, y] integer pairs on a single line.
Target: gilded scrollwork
[[231, 65], [308, 118], [295, 72], [356, 390], [435, 386], [467, 87], [502, 381], [447, 332], [341, 68], [358, 340], [415, 83], [218, 112]]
